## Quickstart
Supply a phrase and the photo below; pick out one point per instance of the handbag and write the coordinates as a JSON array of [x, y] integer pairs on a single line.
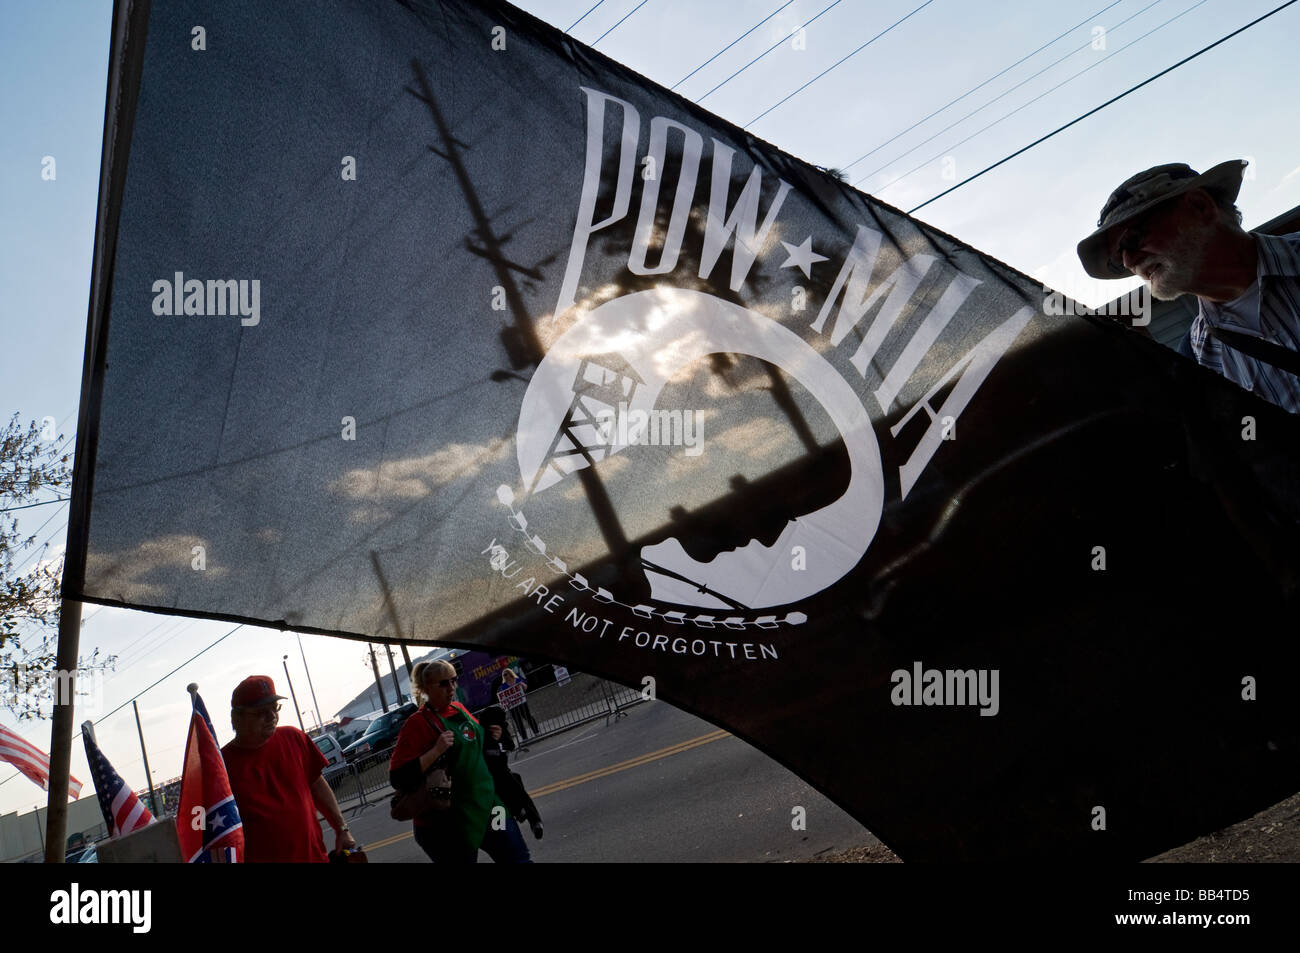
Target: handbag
[[432, 796]]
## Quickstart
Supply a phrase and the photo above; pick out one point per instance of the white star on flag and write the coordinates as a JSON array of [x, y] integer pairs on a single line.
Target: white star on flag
[[802, 256]]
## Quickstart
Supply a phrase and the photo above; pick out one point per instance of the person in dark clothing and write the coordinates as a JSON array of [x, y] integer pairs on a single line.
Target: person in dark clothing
[[522, 713], [509, 786]]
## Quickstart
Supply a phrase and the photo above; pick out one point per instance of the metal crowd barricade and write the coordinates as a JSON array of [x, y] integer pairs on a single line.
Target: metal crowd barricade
[[582, 699], [355, 780], [556, 708]]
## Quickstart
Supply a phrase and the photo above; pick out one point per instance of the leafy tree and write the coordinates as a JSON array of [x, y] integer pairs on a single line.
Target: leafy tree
[[31, 468]]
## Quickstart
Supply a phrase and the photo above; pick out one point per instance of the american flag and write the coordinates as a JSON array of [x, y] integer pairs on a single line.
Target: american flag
[[31, 761], [123, 812]]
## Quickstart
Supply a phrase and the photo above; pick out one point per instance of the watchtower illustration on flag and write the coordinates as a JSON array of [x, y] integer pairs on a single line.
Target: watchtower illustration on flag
[[602, 390]]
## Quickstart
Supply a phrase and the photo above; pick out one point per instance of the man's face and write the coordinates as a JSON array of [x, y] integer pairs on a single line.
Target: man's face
[[254, 726], [1163, 246]]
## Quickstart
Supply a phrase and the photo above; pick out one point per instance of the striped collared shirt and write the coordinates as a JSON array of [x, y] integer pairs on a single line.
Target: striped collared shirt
[[1277, 319]]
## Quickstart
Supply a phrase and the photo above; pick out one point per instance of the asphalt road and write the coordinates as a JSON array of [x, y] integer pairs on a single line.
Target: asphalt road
[[658, 785]]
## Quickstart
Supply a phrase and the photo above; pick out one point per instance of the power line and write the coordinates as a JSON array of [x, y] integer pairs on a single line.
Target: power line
[[836, 64], [619, 23], [37, 532], [166, 620], [975, 89], [159, 641], [164, 678], [737, 40], [28, 506], [178, 668], [153, 685], [793, 32], [61, 499], [1007, 92], [1026, 105], [39, 551], [584, 16], [1097, 109]]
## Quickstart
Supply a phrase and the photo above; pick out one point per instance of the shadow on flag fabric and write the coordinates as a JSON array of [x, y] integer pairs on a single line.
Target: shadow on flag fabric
[[31, 761], [454, 321], [207, 821], [123, 811]]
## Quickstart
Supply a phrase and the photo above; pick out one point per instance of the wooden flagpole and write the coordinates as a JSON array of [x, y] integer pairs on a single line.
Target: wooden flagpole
[[65, 697]]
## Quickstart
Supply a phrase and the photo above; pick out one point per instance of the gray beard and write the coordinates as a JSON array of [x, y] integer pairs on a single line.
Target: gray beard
[[1165, 294]]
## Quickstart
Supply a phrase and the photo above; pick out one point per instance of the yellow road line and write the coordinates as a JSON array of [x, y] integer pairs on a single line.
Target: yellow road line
[[590, 776], [375, 845], [631, 763]]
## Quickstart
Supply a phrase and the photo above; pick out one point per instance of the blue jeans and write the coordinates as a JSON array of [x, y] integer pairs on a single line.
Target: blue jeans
[[444, 847]]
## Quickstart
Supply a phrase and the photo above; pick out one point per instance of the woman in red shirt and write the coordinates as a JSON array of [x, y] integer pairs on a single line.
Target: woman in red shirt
[[477, 818]]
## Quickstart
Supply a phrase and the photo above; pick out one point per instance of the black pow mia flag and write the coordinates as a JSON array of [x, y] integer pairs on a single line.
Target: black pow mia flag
[[424, 321]]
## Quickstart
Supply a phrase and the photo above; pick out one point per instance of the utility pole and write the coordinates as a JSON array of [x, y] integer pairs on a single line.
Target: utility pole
[[392, 609], [601, 505], [392, 668], [374, 666], [314, 704], [293, 695]]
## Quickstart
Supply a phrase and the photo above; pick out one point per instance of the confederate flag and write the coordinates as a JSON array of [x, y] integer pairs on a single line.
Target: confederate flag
[[207, 821]]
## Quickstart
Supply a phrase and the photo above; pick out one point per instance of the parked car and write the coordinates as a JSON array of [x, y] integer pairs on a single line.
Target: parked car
[[330, 748], [382, 734], [356, 727], [77, 845]]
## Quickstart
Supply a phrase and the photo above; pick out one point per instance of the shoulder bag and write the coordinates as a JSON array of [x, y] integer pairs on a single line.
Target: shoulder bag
[[433, 794]]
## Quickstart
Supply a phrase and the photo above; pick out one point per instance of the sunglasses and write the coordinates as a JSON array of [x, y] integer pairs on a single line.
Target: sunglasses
[[448, 682], [264, 712]]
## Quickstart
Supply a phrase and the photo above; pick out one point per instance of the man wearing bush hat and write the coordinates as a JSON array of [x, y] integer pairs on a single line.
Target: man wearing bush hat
[[1180, 231], [275, 776]]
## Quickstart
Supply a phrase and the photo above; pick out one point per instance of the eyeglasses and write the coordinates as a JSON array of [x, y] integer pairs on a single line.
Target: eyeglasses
[[265, 712]]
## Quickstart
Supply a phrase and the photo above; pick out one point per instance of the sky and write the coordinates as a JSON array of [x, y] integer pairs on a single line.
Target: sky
[[952, 88]]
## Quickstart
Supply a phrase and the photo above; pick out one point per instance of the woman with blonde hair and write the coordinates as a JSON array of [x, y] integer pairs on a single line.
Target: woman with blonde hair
[[443, 728], [521, 712]]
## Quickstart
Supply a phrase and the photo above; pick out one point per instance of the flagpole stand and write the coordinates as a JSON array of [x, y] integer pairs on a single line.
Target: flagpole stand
[[65, 697]]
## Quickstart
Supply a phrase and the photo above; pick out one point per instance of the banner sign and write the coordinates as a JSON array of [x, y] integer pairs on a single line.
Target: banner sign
[[511, 697], [600, 379]]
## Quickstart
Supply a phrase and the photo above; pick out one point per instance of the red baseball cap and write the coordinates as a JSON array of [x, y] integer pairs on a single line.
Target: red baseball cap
[[254, 691]]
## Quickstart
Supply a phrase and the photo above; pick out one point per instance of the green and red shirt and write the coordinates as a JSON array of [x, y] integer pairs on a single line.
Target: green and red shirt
[[473, 795]]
